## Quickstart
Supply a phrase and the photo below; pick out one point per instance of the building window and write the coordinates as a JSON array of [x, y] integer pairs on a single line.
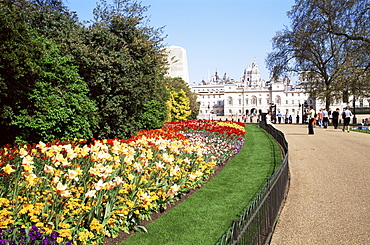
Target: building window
[[246, 101], [240, 101], [286, 102], [292, 102], [230, 101], [214, 96], [259, 101], [254, 100], [219, 96], [278, 100], [268, 101]]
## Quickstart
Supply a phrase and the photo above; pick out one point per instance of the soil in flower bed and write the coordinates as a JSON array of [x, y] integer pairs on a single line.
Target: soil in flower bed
[[123, 235]]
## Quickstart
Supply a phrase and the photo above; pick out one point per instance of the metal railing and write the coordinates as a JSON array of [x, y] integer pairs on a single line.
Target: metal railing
[[256, 224]]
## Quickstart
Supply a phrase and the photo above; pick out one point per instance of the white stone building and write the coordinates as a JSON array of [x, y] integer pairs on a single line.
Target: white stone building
[[225, 98], [178, 62]]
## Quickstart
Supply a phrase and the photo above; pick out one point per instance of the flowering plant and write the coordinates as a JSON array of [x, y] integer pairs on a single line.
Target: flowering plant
[[88, 191], [35, 235]]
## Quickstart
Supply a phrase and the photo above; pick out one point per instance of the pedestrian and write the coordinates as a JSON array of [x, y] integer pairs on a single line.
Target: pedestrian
[[311, 117], [269, 119], [290, 119], [279, 116], [335, 118], [325, 118], [347, 118], [319, 118]]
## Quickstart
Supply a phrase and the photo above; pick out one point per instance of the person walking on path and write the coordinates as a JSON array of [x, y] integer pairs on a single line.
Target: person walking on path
[[279, 116], [347, 118], [311, 117], [325, 118], [319, 118], [335, 118]]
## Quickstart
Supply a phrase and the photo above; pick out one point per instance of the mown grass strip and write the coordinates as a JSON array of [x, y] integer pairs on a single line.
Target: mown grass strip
[[205, 216]]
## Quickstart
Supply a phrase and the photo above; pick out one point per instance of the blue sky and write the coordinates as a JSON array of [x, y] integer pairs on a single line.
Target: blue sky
[[222, 35]]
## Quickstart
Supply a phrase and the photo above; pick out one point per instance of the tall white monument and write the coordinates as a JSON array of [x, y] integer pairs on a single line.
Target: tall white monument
[[178, 62]]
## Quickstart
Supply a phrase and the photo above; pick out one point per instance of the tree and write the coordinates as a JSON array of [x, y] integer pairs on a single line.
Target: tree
[[178, 106], [319, 46], [177, 84], [120, 58], [42, 96], [59, 107], [19, 69]]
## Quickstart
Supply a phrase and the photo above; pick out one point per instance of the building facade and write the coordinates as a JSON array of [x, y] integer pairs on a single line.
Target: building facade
[[178, 62], [224, 98]]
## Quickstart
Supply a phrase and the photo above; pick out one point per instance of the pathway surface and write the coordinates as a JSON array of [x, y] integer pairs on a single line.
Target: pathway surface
[[329, 194]]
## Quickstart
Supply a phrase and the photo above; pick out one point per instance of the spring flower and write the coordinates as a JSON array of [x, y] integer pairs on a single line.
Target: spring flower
[[61, 188], [48, 169], [100, 185], [174, 170], [95, 225], [160, 165], [55, 180], [22, 152], [168, 158], [8, 169], [72, 174], [118, 181], [173, 190]]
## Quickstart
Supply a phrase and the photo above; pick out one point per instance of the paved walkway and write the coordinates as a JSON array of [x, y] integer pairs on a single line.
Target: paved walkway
[[329, 194]]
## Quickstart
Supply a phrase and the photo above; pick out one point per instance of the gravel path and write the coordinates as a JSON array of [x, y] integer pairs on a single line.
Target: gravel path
[[329, 194]]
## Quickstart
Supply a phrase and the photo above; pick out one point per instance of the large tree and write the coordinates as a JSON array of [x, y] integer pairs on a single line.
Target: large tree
[[124, 68], [42, 97], [320, 45], [120, 58]]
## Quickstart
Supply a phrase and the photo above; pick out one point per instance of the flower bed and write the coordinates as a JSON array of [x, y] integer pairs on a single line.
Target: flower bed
[[85, 192]]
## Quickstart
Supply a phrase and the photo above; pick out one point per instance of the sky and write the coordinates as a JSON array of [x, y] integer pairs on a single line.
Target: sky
[[218, 35]]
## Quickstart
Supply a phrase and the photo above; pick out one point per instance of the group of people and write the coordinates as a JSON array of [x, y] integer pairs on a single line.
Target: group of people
[[322, 119]]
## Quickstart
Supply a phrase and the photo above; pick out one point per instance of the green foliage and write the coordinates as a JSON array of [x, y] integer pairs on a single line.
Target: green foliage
[[124, 69], [118, 57], [59, 107], [178, 84], [328, 43], [178, 106], [19, 67], [154, 114]]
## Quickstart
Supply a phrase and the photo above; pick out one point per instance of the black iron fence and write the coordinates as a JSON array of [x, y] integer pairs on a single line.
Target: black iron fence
[[256, 224]]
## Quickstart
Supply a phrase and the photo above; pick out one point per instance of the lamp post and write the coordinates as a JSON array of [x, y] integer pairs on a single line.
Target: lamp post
[[273, 112], [305, 105]]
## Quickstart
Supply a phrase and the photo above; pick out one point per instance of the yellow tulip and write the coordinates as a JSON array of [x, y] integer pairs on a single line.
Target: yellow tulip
[[8, 169]]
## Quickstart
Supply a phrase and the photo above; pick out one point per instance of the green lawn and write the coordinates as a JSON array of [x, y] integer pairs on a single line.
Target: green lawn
[[206, 215]]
